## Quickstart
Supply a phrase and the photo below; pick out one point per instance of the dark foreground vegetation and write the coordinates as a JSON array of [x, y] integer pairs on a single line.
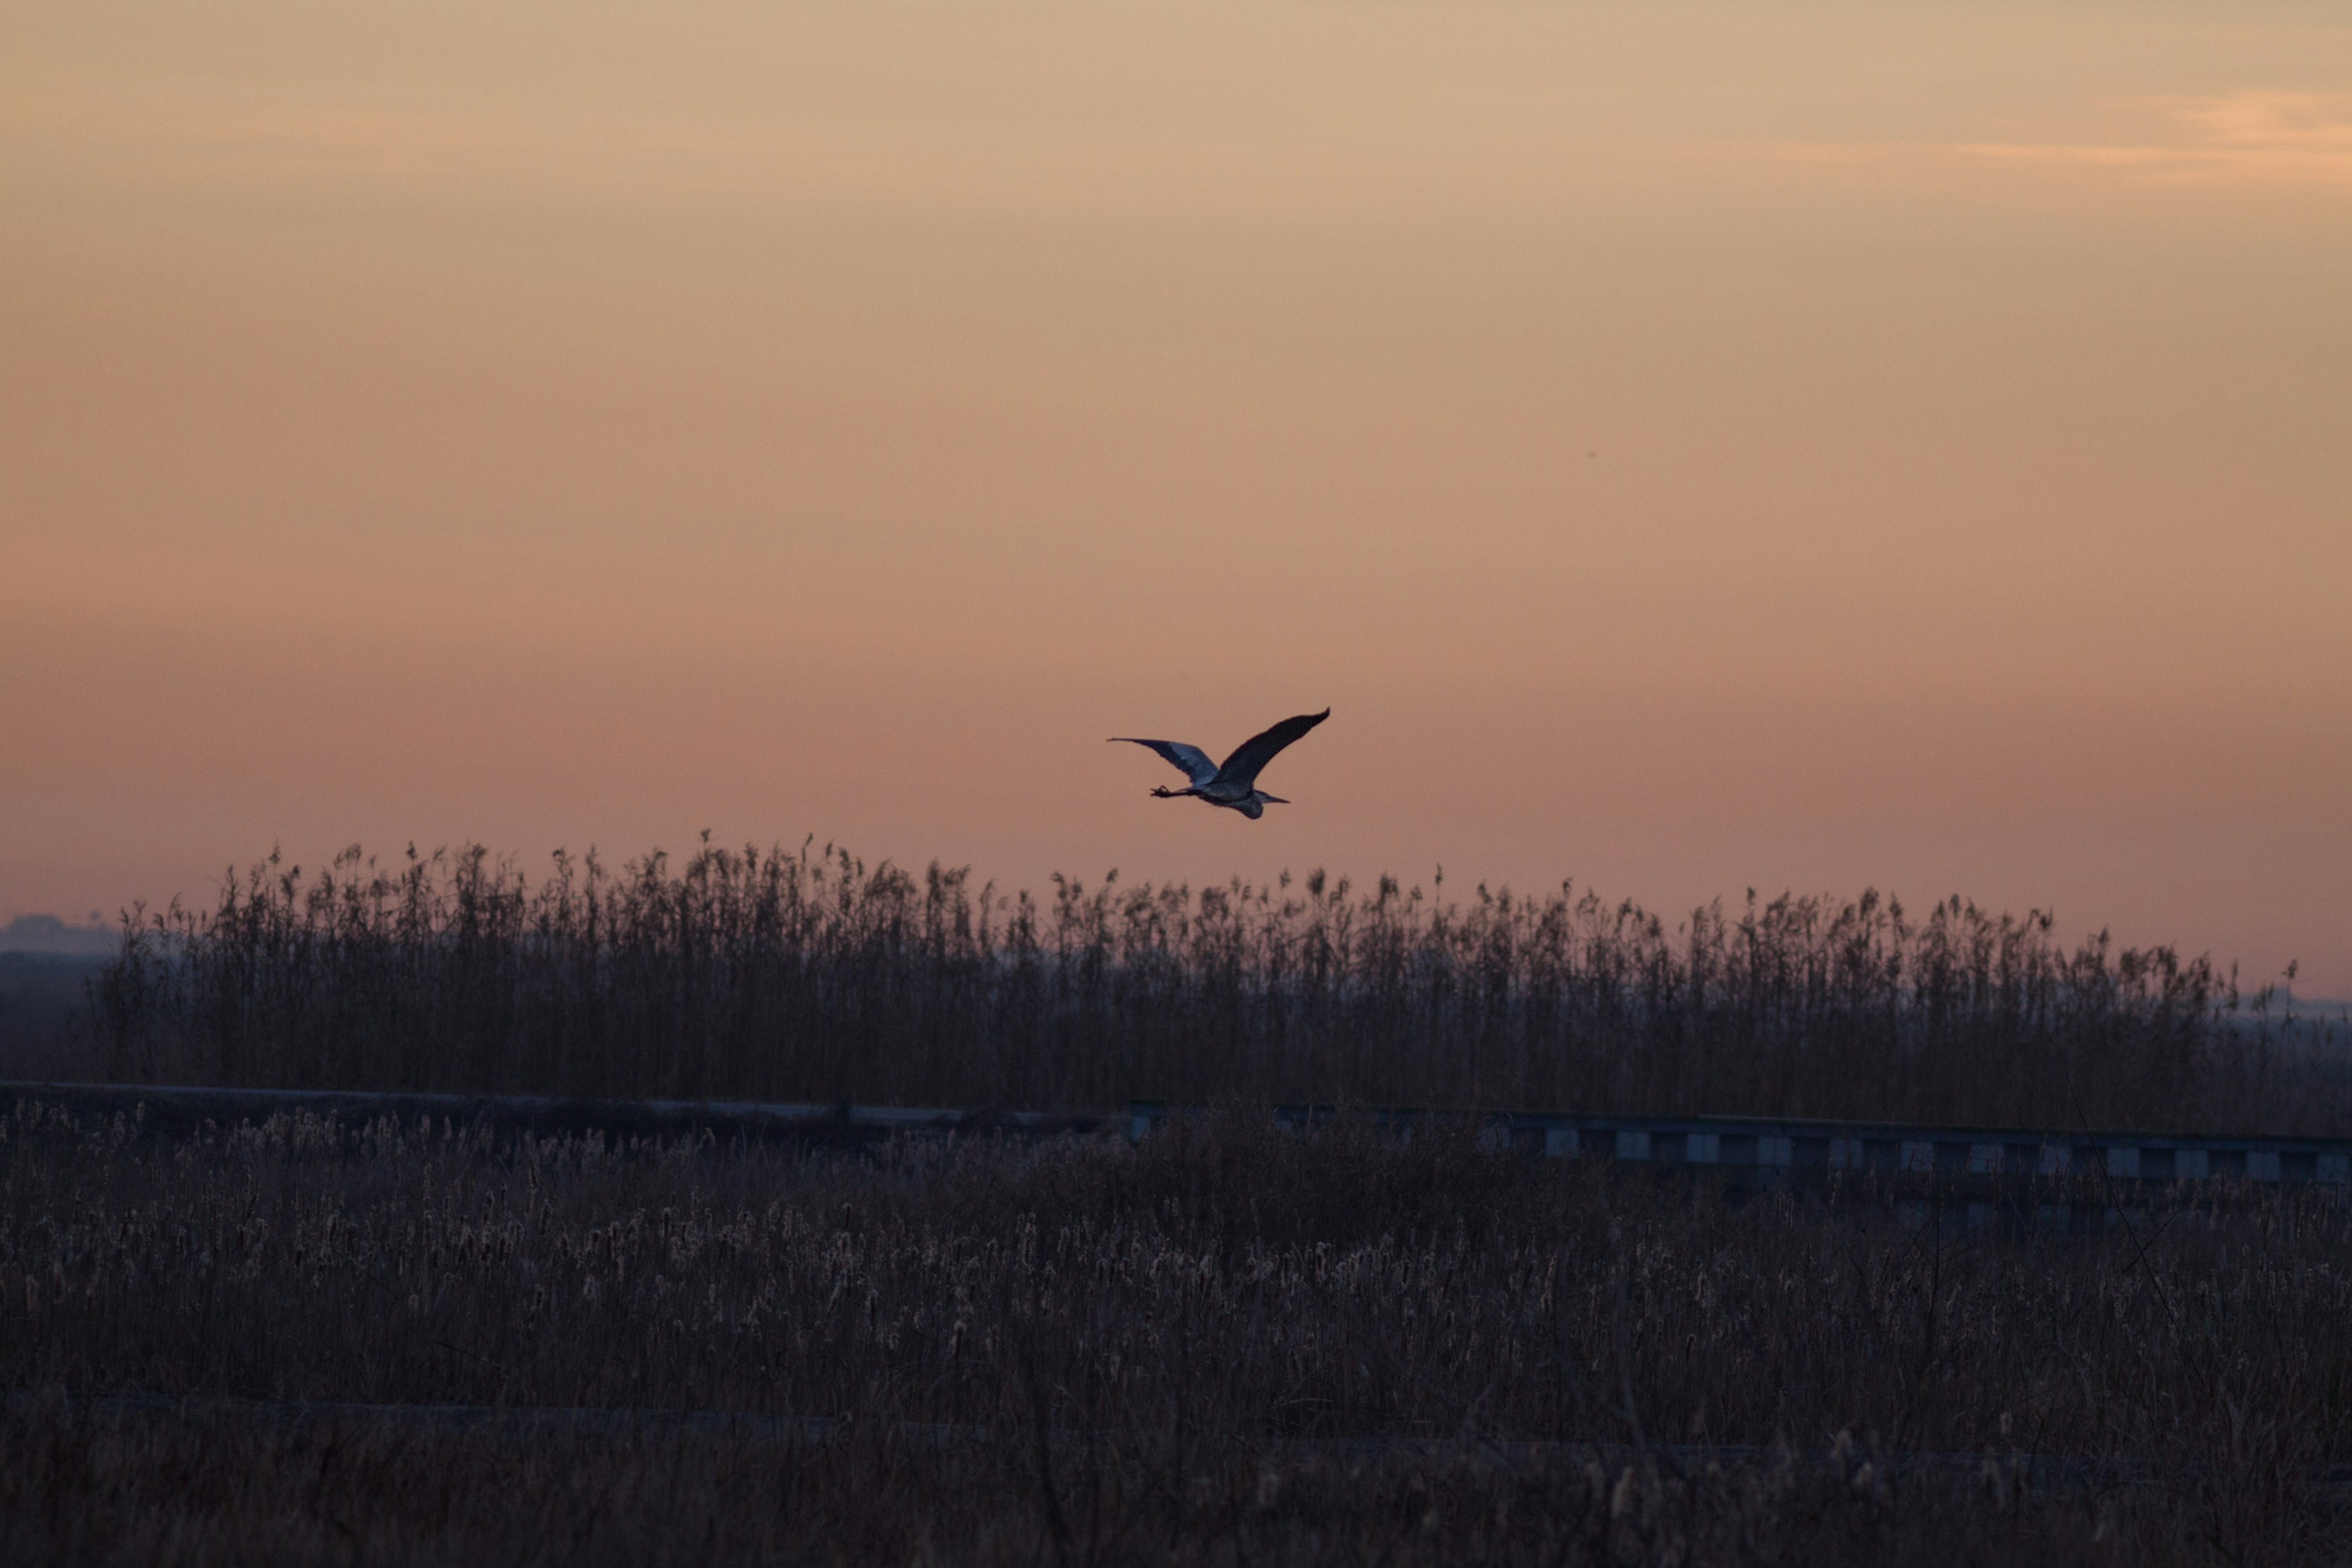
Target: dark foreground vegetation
[[813, 977], [1224, 1345]]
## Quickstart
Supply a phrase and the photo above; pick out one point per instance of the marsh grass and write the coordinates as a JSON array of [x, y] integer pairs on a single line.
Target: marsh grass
[[90, 1489], [1159, 1350], [85, 1488], [789, 975]]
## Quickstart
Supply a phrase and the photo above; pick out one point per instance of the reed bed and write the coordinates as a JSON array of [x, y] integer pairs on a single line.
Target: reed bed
[[813, 976], [91, 1488], [1204, 1348]]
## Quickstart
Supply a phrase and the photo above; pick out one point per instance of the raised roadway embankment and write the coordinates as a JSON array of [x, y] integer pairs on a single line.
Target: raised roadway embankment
[[1750, 1151]]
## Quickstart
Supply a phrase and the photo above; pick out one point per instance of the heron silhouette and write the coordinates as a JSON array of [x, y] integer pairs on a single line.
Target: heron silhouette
[[1231, 783]]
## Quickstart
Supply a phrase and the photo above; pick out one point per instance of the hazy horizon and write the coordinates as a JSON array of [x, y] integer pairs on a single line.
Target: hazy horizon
[[1692, 448]]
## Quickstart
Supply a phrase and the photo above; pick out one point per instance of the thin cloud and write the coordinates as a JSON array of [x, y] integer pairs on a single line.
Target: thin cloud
[[2242, 138]]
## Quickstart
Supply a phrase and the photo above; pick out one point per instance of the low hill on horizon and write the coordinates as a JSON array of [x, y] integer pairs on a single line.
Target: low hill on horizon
[[48, 934]]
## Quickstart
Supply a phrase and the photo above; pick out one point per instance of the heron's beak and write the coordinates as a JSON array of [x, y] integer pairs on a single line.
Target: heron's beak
[[1272, 799]]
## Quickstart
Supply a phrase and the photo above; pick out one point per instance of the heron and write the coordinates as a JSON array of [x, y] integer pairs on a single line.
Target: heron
[[1231, 783]]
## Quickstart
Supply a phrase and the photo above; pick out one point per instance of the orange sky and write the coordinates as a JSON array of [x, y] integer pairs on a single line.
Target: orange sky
[[1691, 446]]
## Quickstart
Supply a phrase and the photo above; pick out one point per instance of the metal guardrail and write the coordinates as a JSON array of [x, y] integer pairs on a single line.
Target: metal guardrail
[[187, 1108], [1769, 1148], [1762, 1149]]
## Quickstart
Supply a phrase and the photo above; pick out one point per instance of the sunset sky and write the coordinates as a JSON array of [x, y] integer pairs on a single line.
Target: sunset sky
[[1690, 447]]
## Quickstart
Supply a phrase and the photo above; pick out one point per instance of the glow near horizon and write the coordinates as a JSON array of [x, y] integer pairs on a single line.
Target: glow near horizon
[[1692, 448]]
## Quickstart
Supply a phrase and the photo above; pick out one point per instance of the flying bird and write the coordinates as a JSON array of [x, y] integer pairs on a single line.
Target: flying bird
[[1231, 783]]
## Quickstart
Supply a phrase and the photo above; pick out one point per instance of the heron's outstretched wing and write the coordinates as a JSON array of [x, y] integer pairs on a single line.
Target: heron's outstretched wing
[[1241, 767], [1193, 762]]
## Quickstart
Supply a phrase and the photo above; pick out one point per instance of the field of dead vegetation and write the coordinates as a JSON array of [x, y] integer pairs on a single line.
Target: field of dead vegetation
[[1221, 1345]]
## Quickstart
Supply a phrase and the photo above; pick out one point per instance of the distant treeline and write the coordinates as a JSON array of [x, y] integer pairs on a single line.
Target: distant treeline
[[813, 976]]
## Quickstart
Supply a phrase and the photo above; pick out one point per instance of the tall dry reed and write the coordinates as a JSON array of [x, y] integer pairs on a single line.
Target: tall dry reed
[[792, 975]]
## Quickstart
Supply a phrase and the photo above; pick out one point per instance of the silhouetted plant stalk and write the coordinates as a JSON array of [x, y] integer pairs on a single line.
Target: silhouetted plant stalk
[[813, 976]]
